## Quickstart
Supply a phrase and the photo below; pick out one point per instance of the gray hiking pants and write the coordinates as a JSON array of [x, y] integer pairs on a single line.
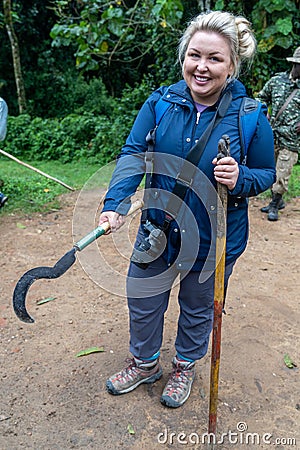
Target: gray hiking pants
[[148, 293]]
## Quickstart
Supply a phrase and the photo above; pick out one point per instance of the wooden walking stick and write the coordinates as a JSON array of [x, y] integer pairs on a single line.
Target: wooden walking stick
[[35, 170], [219, 294]]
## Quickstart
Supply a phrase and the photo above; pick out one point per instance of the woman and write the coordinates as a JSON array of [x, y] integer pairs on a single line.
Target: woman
[[211, 51]]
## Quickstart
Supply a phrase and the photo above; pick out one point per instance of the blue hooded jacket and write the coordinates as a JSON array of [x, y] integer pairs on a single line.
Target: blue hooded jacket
[[191, 237]]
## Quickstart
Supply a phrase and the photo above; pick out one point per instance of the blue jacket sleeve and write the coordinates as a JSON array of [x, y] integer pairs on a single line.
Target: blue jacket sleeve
[[259, 173], [130, 167]]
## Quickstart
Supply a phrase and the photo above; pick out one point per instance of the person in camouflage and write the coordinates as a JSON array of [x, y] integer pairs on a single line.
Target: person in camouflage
[[282, 94]]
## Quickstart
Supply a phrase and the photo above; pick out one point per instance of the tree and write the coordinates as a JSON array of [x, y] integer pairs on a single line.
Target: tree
[[15, 55], [277, 26], [129, 37], [123, 37], [119, 42]]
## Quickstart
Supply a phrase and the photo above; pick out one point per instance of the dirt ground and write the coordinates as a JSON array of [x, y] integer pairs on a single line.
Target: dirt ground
[[51, 399]]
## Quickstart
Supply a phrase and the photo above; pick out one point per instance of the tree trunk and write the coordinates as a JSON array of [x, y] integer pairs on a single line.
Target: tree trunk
[[15, 55], [204, 5]]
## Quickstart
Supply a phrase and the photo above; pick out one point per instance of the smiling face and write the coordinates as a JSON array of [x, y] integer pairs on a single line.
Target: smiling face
[[206, 66]]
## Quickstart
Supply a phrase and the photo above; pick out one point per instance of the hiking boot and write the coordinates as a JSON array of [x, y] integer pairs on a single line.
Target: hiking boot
[[136, 373], [281, 205], [274, 207], [3, 199], [273, 214], [178, 388]]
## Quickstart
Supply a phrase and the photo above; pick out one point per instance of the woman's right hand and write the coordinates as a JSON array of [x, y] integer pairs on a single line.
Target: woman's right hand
[[115, 220]]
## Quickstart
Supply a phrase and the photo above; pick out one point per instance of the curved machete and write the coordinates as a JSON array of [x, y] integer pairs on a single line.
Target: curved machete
[[62, 265], [37, 273]]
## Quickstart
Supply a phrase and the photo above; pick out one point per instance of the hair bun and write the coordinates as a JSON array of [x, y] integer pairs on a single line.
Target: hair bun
[[246, 38]]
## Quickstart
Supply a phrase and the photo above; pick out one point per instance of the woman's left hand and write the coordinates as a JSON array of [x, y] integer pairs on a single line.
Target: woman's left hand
[[226, 171]]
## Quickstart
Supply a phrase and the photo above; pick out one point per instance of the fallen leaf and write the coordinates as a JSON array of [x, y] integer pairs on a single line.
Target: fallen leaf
[[16, 350], [90, 350], [288, 362], [130, 429], [45, 300], [20, 225]]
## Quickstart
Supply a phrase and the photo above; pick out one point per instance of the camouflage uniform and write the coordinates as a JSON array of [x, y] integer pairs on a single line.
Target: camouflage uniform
[[287, 141]]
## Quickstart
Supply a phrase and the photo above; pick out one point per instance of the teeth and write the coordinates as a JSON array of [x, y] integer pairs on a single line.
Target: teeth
[[200, 78]]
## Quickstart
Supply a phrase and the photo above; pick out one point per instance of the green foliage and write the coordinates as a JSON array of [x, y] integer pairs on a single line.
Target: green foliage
[[91, 96], [115, 43], [28, 191], [82, 135], [63, 139], [277, 29], [139, 35], [294, 185], [294, 182], [106, 31], [125, 111], [56, 94], [33, 20], [123, 50]]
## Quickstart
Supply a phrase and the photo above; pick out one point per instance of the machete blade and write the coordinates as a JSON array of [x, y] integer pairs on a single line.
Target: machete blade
[[24, 283]]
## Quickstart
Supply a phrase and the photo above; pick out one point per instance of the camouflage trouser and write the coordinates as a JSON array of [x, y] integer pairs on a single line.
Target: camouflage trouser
[[285, 160]]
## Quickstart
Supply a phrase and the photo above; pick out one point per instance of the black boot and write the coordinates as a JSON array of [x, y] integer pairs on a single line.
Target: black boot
[[281, 204], [274, 207]]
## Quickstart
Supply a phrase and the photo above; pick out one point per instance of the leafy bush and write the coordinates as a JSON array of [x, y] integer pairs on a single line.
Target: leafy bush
[[81, 135], [51, 139], [31, 192], [92, 97], [55, 94]]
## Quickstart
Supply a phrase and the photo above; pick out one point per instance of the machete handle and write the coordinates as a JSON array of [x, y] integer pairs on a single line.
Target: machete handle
[[102, 229]]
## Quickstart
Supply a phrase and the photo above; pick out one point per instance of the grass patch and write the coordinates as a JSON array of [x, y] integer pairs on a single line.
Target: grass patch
[[29, 191], [294, 186], [294, 183]]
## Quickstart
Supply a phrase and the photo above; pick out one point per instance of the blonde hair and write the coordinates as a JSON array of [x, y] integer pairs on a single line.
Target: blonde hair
[[235, 29]]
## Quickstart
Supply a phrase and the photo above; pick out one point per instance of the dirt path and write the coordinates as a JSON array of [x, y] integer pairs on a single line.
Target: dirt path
[[52, 400]]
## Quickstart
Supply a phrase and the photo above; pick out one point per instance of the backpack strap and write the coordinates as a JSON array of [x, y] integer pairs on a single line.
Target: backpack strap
[[160, 108], [184, 178], [248, 116], [286, 103]]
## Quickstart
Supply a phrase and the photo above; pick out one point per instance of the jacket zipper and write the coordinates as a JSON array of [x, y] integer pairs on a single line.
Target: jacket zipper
[[195, 126]]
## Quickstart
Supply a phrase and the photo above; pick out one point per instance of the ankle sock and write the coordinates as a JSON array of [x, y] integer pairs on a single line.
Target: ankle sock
[[184, 362], [146, 364]]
